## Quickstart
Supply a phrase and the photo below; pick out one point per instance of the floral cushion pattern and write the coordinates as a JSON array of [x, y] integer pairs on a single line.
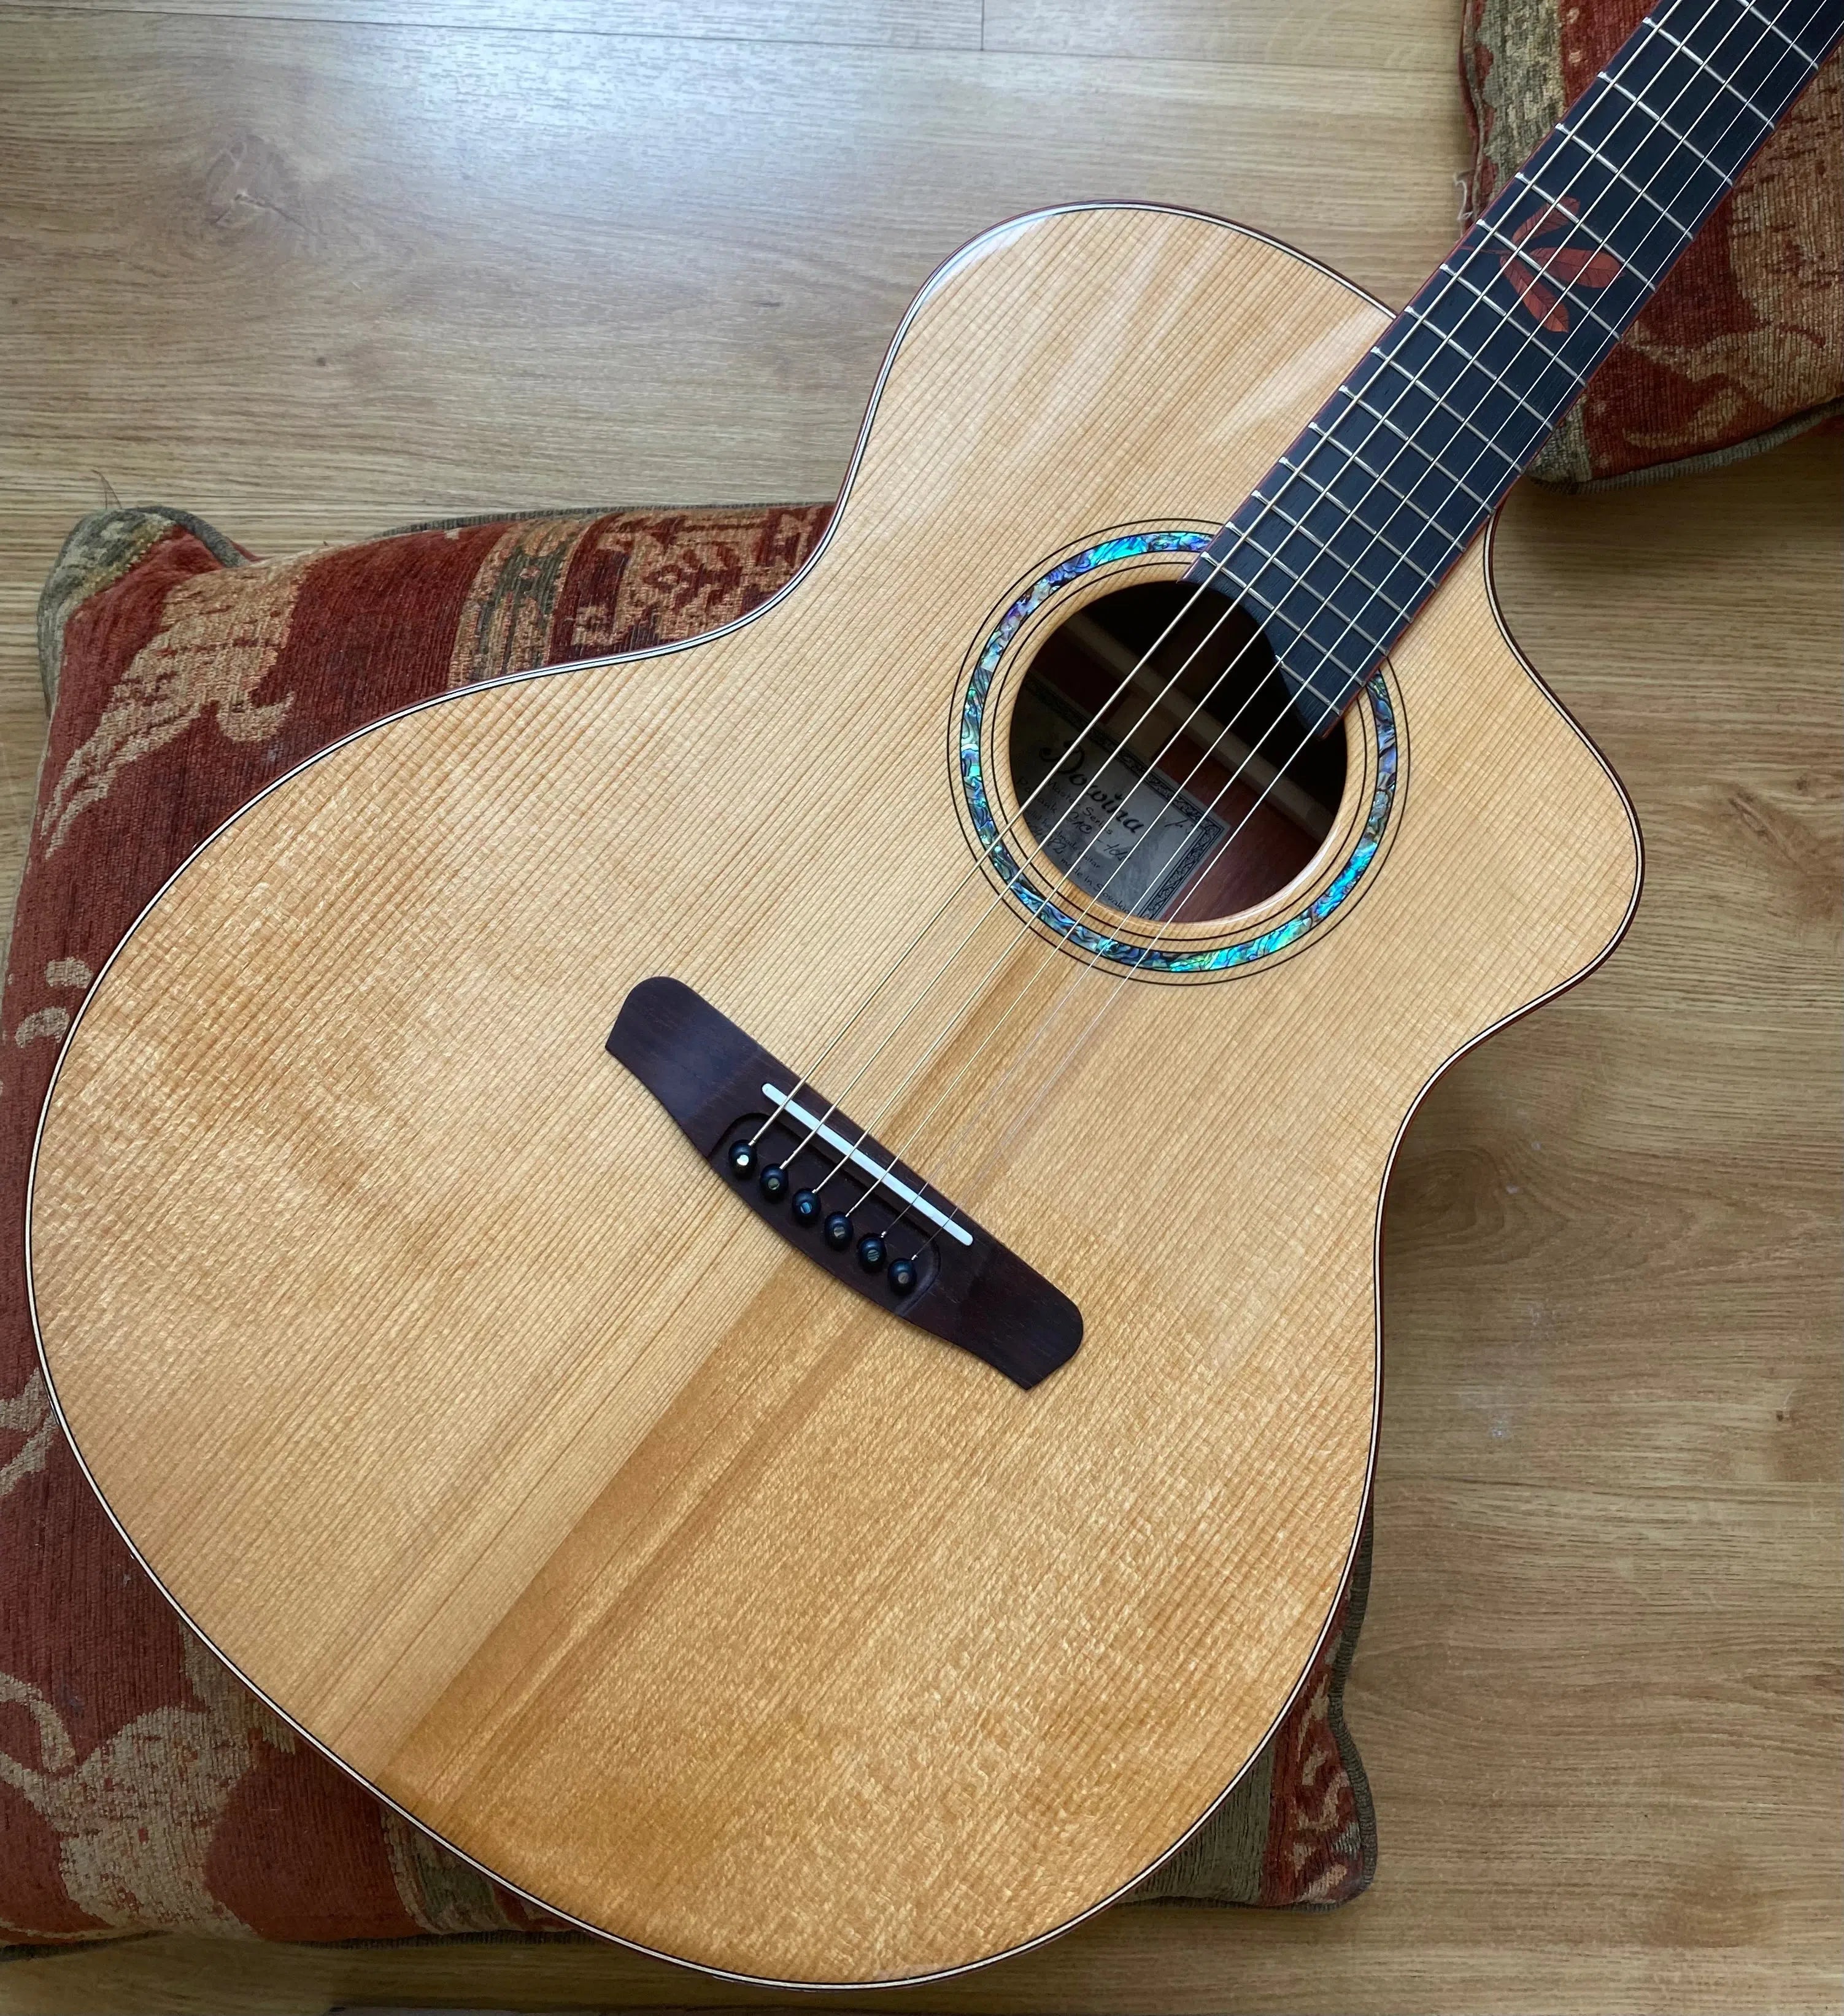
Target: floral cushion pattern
[[1744, 343], [143, 1788]]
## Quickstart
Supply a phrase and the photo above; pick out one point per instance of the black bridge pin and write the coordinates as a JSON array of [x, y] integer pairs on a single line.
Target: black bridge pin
[[838, 1232], [870, 1254], [806, 1207], [773, 1183], [902, 1274], [742, 1158]]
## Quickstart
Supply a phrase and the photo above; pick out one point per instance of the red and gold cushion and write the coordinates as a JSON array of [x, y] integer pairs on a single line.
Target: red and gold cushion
[[143, 1788], [1743, 345]]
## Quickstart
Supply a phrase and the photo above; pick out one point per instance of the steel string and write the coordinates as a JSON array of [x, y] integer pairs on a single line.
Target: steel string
[[1378, 418], [1087, 911]]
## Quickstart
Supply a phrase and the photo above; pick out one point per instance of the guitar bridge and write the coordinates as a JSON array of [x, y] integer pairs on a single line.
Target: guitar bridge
[[805, 1168]]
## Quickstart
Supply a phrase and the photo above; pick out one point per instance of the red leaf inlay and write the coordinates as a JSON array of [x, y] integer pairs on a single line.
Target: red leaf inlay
[[1542, 233]]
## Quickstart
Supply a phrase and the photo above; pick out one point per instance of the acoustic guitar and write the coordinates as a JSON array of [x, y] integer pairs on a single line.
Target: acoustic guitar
[[745, 1277]]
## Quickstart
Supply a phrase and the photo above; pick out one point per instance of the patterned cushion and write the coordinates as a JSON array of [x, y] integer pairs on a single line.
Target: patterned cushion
[[1743, 343], [142, 1786]]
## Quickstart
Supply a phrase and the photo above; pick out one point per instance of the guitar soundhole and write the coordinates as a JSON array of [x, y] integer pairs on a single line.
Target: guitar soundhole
[[1179, 786]]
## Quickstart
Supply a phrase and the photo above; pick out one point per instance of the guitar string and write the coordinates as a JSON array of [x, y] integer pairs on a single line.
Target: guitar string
[[1088, 909], [949, 1030], [985, 854], [947, 964], [1047, 965], [1454, 275], [1218, 568], [944, 1150], [1085, 915], [1377, 419]]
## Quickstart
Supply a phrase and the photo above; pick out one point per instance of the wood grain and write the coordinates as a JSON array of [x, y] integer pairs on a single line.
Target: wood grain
[[1332, 35], [1596, 1691], [313, 278], [941, 24], [1397, 36], [1607, 1543], [715, 1607]]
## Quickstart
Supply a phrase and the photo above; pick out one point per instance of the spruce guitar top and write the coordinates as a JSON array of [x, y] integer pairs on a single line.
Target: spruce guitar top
[[763, 1254]]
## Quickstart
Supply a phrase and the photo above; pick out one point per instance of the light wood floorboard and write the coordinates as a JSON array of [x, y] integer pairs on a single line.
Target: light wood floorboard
[[327, 265], [928, 24], [1367, 35]]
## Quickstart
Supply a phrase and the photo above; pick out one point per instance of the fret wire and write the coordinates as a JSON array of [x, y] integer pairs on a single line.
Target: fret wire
[[1383, 419], [1716, 34], [1277, 610], [1721, 81], [1577, 224], [1330, 553], [1305, 686], [1773, 27], [1537, 260], [1377, 476], [1567, 133], [1297, 582], [1305, 681], [1546, 421], [1415, 378], [1580, 377], [1300, 473], [1689, 146], [1352, 633], [1533, 261], [1764, 67]]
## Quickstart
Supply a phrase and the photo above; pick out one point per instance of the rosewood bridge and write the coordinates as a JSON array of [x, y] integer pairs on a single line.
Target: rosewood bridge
[[803, 1168]]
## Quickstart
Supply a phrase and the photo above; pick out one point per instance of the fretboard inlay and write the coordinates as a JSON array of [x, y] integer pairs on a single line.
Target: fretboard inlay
[[1354, 527]]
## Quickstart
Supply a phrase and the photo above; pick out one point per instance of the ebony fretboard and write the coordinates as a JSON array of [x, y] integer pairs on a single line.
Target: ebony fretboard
[[1351, 531]]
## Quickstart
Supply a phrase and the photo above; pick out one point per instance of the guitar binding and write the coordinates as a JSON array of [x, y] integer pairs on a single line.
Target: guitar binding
[[744, 1111]]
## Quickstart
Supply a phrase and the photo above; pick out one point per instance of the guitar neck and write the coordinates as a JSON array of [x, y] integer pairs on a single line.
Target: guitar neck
[[1354, 527]]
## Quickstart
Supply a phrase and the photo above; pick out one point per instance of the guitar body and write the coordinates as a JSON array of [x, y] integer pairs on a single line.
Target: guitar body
[[444, 1387]]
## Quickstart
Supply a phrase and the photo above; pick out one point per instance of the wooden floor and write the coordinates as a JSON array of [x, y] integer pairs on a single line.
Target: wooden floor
[[311, 267]]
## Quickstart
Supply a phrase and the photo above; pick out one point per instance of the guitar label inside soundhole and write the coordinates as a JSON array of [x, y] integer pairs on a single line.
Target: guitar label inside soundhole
[[1115, 826]]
